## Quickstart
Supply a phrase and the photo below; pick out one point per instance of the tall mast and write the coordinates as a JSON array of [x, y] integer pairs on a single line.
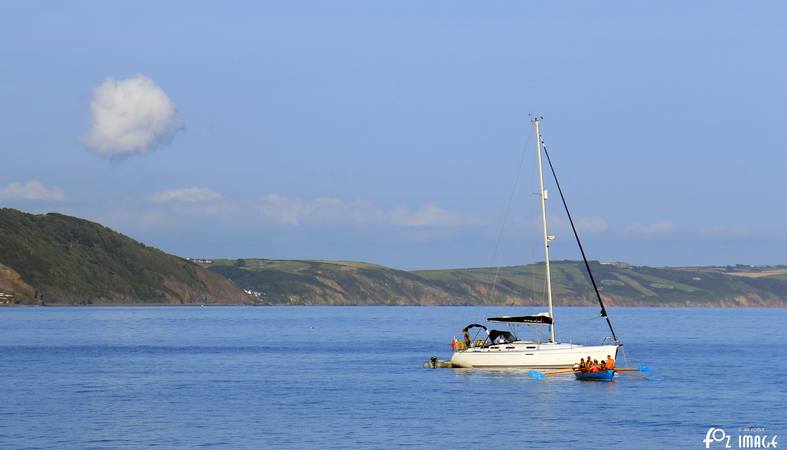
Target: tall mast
[[547, 238]]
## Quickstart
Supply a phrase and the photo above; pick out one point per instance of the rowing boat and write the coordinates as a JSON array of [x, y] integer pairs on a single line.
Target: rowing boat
[[604, 375]]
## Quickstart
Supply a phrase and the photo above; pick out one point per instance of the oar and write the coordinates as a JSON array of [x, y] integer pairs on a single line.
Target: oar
[[536, 374], [558, 371], [633, 369], [539, 375], [633, 375]]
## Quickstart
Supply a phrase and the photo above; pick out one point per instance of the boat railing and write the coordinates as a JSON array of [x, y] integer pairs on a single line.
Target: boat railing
[[458, 345]]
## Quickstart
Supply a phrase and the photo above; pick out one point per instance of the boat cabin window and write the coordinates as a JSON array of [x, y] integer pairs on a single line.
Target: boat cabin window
[[501, 337]]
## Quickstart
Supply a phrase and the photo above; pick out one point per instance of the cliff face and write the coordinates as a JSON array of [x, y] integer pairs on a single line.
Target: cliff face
[[58, 259], [331, 283], [13, 288]]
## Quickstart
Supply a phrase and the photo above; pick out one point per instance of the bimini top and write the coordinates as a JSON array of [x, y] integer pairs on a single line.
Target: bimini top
[[473, 325], [538, 318]]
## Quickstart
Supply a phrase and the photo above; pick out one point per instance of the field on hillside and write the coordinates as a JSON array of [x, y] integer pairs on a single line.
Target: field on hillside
[[346, 282]]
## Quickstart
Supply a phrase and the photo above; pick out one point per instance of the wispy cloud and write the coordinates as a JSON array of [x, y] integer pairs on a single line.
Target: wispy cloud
[[429, 216], [328, 210], [660, 228], [129, 116], [32, 190], [561, 226], [170, 208], [725, 232], [591, 225], [188, 202], [188, 195]]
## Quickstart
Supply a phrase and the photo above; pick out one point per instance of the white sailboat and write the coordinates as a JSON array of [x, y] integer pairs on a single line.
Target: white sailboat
[[502, 349]]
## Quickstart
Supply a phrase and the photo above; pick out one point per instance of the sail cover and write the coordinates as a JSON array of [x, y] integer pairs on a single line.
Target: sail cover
[[539, 318]]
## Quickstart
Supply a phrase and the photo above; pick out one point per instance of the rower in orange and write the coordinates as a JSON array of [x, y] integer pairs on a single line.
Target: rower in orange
[[610, 363]]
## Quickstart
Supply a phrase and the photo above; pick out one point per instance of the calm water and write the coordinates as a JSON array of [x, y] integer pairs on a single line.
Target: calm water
[[351, 377]]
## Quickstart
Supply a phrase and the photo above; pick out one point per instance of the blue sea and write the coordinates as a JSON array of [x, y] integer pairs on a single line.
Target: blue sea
[[352, 377]]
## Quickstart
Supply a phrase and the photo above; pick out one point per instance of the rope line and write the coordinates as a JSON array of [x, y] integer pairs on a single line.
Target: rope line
[[579, 243], [505, 218]]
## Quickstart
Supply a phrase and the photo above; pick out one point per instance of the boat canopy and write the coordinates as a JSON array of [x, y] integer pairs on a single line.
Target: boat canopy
[[473, 325], [539, 318], [501, 337]]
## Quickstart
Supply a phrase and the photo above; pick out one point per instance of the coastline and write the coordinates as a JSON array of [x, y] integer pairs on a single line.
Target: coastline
[[327, 305]]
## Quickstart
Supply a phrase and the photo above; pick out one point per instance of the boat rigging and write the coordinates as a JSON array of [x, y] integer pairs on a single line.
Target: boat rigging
[[495, 348]]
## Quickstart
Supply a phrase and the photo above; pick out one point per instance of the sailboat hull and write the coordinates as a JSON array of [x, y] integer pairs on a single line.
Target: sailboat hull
[[531, 355]]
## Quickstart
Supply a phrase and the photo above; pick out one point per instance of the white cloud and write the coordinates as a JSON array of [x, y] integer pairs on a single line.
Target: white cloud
[[428, 215], [32, 190], [293, 211], [170, 208], [326, 210], [191, 201], [661, 227], [188, 195], [591, 225], [559, 225], [129, 116], [725, 232]]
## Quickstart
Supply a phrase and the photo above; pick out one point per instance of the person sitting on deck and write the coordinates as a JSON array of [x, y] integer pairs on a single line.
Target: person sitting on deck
[[594, 368], [610, 363], [603, 365], [582, 367]]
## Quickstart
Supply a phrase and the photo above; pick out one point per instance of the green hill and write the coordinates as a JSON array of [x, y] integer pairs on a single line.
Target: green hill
[[351, 283], [58, 259], [620, 284], [331, 283]]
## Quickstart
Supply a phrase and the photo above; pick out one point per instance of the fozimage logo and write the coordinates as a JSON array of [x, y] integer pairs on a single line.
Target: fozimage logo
[[748, 437]]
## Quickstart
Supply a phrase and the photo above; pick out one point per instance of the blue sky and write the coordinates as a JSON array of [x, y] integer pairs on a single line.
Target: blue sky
[[391, 132]]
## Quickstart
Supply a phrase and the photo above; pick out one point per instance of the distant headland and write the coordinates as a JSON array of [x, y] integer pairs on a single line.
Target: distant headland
[[54, 259]]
